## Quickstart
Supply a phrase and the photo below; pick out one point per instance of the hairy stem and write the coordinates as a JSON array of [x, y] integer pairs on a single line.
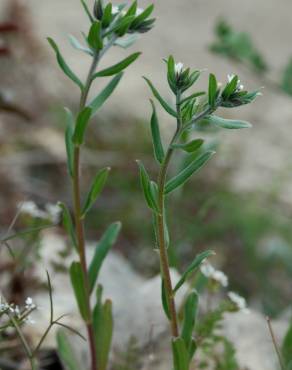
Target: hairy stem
[[79, 224], [161, 221]]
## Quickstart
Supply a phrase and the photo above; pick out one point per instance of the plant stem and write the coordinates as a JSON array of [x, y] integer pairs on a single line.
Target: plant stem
[[30, 355], [275, 343], [79, 224], [161, 221]]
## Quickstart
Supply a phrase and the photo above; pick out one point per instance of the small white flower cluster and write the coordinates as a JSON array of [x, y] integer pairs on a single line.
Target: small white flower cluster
[[20, 314], [238, 301], [239, 86], [51, 212], [210, 272], [178, 68]]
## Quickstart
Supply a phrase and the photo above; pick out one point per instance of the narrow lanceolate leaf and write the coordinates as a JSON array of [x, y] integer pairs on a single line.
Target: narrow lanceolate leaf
[[156, 139], [117, 68], [66, 352], [97, 102], [126, 42], [69, 140], [212, 92], [78, 284], [180, 354], [78, 46], [146, 187], [105, 244], [190, 313], [94, 37], [230, 88], [107, 15], [192, 267], [186, 173], [64, 66], [164, 300], [145, 14], [227, 123], [81, 124], [68, 224], [95, 189], [103, 331], [164, 104], [189, 147]]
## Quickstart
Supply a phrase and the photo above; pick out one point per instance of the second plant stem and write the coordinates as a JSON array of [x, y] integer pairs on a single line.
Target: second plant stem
[[79, 224], [161, 222]]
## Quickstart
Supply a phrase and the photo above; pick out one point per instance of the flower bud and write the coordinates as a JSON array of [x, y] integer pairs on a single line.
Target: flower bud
[[98, 9]]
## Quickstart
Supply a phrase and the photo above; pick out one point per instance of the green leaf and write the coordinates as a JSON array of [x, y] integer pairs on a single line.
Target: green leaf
[[68, 224], [230, 88], [192, 267], [66, 352], [156, 139], [103, 331], [126, 42], [165, 105], [81, 124], [212, 92], [69, 140], [104, 245], [87, 11], [146, 187], [287, 347], [171, 75], [123, 26], [180, 354], [227, 123], [189, 147], [107, 15], [140, 18], [164, 299], [94, 37], [97, 102], [95, 189], [117, 68], [64, 66], [190, 312], [78, 283], [76, 45], [187, 172]]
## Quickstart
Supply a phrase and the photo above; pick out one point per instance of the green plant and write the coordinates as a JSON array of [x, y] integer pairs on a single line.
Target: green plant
[[190, 111], [239, 47], [110, 25]]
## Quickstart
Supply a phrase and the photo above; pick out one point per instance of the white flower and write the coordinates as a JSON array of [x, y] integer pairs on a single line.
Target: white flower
[[52, 211], [115, 10], [239, 86], [30, 208], [139, 11], [210, 272], [178, 68], [238, 301], [29, 305]]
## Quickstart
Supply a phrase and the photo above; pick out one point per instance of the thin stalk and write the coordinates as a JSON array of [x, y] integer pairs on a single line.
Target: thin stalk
[[161, 221], [275, 344], [79, 224], [24, 342]]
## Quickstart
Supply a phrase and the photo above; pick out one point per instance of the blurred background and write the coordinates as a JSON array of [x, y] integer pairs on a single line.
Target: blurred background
[[240, 205]]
